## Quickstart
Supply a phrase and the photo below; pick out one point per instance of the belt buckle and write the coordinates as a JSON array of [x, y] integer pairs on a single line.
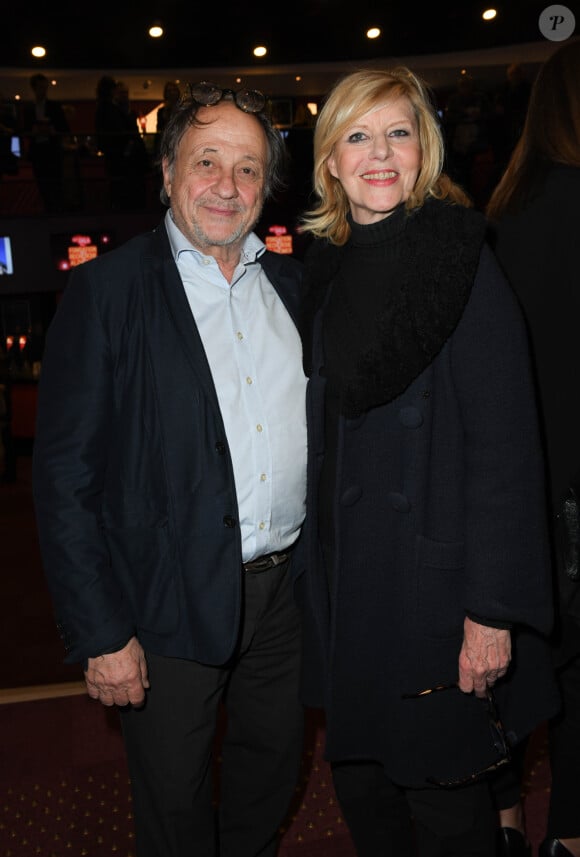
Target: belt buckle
[[266, 562]]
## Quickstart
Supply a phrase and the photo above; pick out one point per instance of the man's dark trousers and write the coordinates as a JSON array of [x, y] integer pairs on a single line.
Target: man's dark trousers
[[170, 741]]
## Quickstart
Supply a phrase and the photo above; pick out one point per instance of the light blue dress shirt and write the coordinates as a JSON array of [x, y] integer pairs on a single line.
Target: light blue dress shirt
[[255, 356]]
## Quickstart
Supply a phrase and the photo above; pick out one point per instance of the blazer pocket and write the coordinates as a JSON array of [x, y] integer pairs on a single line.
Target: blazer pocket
[[440, 577], [133, 510], [142, 562]]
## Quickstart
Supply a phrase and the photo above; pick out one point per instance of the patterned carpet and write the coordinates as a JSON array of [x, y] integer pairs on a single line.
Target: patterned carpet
[[64, 787]]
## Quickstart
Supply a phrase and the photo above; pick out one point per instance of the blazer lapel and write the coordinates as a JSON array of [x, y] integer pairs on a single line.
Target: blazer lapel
[[166, 299]]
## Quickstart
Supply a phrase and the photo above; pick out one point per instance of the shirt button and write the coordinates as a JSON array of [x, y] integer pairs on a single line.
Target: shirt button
[[262, 525], [240, 335], [259, 427], [207, 262], [248, 380], [263, 477]]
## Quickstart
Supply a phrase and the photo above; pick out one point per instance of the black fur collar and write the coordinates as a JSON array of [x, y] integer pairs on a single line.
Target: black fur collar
[[441, 248]]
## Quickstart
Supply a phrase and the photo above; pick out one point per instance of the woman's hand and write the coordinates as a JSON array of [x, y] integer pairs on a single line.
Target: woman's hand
[[484, 657]]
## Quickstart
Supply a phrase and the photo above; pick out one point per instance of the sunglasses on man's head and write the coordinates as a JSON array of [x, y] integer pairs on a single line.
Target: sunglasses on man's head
[[498, 736], [209, 94]]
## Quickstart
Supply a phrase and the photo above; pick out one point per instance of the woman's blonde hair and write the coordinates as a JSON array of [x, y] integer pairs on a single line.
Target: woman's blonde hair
[[551, 132], [352, 97]]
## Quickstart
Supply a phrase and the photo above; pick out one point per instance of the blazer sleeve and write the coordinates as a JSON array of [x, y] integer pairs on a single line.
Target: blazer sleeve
[[75, 409], [508, 562]]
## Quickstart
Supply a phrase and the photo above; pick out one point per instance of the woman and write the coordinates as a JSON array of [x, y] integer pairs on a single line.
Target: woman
[[535, 227], [428, 557]]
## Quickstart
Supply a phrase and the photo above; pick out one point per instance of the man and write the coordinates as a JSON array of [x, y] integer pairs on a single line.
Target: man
[[169, 482]]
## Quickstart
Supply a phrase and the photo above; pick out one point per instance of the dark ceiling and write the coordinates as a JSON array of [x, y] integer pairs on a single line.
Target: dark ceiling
[[213, 33]]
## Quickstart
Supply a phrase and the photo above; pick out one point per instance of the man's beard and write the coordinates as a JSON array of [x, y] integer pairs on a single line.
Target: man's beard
[[243, 229]]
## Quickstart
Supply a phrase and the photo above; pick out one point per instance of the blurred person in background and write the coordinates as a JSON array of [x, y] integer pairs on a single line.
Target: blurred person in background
[[535, 226], [8, 129], [122, 147], [44, 125], [171, 95]]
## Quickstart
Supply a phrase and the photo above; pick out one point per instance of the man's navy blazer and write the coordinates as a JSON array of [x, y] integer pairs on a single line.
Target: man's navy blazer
[[132, 476]]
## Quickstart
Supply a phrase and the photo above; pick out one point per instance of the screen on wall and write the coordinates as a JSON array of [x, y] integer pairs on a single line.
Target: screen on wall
[[6, 266], [70, 249]]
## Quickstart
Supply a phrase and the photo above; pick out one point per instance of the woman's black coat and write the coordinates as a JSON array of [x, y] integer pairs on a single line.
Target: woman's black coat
[[439, 511]]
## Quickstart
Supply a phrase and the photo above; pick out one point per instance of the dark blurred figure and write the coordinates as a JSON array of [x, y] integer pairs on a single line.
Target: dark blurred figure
[[118, 138], [45, 125], [171, 95], [535, 227], [8, 122], [510, 106], [466, 127], [108, 133], [135, 153]]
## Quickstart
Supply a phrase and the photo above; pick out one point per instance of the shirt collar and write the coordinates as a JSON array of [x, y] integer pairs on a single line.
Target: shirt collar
[[252, 247]]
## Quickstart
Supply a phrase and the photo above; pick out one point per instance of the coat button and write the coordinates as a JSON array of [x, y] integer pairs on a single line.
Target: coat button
[[229, 522], [351, 495], [220, 447], [411, 417], [399, 502]]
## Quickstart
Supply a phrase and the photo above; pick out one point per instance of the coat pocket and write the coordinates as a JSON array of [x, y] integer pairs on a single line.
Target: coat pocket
[[440, 577]]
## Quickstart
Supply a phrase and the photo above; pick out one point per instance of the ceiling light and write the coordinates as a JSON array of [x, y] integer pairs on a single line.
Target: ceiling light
[[38, 51], [260, 51], [489, 14], [373, 32], [156, 31]]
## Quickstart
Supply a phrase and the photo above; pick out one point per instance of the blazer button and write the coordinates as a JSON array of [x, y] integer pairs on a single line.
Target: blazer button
[[229, 522], [399, 502], [220, 447], [351, 495], [411, 417]]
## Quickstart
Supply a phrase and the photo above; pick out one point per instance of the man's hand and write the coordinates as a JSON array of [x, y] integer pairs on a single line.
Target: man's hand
[[485, 656], [119, 678]]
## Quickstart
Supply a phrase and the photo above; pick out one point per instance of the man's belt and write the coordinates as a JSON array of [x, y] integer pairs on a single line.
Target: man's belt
[[270, 560]]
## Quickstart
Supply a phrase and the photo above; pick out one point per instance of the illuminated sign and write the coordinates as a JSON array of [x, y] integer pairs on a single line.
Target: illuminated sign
[[72, 249], [279, 241]]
